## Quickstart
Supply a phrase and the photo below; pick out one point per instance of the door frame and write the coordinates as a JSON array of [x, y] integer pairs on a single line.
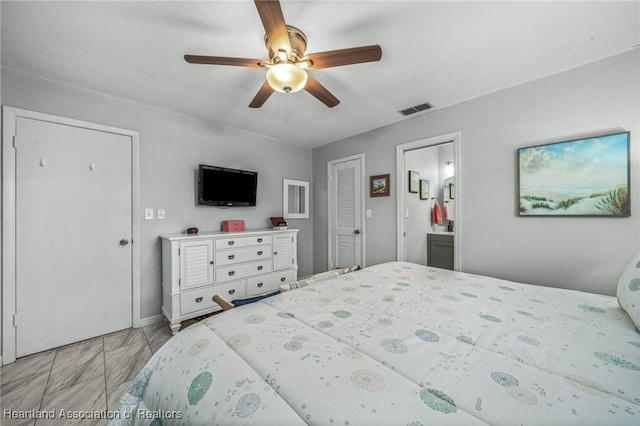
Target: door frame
[[401, 187], [8, 245], [363, 233]]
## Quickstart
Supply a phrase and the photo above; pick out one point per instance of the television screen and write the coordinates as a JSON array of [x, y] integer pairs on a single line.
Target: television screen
[[218, 186]]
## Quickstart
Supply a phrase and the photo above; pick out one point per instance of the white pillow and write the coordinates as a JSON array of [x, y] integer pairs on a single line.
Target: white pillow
[[629, 290]]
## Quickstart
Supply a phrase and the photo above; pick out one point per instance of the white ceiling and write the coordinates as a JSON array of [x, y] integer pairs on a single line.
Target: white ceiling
[[443, 52]]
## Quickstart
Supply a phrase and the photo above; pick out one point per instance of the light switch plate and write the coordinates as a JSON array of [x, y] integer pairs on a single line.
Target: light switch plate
[[161, 214], [148, 214], [368, 212]]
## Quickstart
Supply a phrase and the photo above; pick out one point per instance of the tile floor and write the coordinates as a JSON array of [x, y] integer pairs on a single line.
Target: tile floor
[[88, 375]]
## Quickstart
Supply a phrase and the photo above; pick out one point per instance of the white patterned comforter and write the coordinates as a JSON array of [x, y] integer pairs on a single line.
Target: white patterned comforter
[[399, 344]]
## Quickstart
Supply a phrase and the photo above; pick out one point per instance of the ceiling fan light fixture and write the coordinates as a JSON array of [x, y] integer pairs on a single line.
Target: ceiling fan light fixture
[[282, 54], [305, 63], [286, 78]]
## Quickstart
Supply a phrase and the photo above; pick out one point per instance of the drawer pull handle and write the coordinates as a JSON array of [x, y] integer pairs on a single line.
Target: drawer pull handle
[[232, 291], [259, 240], [230, 242], [198, 299], [231, 273], [283, 278], [260, 268], [260, 253], [260, 284], [231, 256]]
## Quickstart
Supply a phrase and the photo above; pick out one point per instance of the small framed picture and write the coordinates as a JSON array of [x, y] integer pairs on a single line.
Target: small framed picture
[[414, 181], [379, 186], [424, 189]]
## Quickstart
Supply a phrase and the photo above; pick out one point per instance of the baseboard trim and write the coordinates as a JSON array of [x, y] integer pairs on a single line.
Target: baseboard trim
[[149, 320]]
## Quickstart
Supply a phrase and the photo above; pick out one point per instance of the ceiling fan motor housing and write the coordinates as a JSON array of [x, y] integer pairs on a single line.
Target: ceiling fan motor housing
[[298, 42]]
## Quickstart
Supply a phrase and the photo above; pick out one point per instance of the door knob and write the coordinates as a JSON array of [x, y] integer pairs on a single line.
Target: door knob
[[124, 242], [357, 232]]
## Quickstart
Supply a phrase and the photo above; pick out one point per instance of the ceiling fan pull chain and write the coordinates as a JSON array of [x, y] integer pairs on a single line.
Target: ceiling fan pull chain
[[286, 108]]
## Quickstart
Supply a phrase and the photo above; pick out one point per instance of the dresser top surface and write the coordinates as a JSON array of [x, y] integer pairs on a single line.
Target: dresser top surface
[[222, 234]]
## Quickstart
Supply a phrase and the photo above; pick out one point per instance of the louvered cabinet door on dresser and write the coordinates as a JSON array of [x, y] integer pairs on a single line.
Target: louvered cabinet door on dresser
[[232, 265], [196, 263]]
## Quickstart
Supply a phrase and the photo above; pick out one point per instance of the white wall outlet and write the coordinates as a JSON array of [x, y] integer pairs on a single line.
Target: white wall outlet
[[368, 212], [161, 214], [148, 214]]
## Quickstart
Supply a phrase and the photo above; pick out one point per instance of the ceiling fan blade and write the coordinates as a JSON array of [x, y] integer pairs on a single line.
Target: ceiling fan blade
[[222, 60], [336, 58], [262, 96], [274, 26], [320, 92]]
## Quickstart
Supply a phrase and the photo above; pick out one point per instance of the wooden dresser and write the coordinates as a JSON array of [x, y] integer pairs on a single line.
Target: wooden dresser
[[233, 265]]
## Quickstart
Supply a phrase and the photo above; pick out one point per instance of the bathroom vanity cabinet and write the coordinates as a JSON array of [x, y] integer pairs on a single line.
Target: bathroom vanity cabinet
[[440, 250]]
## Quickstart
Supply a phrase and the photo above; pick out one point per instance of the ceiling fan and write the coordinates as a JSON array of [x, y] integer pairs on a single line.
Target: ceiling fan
[[287, 62]]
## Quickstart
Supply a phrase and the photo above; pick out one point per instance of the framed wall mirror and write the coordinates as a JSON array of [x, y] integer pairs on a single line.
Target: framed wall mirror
[[295, 199]]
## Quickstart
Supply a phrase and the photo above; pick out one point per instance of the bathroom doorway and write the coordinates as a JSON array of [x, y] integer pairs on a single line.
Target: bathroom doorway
[[428, 213]]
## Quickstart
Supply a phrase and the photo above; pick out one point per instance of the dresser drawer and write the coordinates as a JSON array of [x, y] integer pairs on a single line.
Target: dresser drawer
[[270, 282], [236, 272], [197, 300], [244, 254], [225, 243], [259, 240]]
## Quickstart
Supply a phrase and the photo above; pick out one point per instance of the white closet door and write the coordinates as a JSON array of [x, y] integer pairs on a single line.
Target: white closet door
[[346, 214], [73, 234]]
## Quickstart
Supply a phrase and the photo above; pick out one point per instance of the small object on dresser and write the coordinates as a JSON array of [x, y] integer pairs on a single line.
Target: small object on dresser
[[278, 222], [233, 225], [192, 230]]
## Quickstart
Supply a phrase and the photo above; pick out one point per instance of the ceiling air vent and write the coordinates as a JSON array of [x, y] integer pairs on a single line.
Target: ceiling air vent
[[422, 107]]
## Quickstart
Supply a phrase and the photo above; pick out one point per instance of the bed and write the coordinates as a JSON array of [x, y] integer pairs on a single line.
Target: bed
[[399, 344]]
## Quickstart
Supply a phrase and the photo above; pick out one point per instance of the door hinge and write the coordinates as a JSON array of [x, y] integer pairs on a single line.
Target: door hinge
[[15, 141], [15, 320]]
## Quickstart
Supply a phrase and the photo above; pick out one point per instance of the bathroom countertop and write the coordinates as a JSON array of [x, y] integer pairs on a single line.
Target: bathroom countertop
[[441, 233]]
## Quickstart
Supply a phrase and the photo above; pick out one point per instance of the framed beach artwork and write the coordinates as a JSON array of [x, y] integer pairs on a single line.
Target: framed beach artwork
[[414, 181], [581, 177], [379, 185], [424, 189]]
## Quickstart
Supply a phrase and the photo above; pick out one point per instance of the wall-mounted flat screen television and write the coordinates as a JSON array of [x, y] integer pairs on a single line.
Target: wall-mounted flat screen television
[[219, 186]]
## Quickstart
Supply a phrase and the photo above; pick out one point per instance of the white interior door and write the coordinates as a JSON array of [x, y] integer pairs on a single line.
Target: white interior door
[[346, 233], [73, 234]]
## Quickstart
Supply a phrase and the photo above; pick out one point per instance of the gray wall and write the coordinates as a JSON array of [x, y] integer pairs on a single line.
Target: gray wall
[[579, 253], [171, 147]]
